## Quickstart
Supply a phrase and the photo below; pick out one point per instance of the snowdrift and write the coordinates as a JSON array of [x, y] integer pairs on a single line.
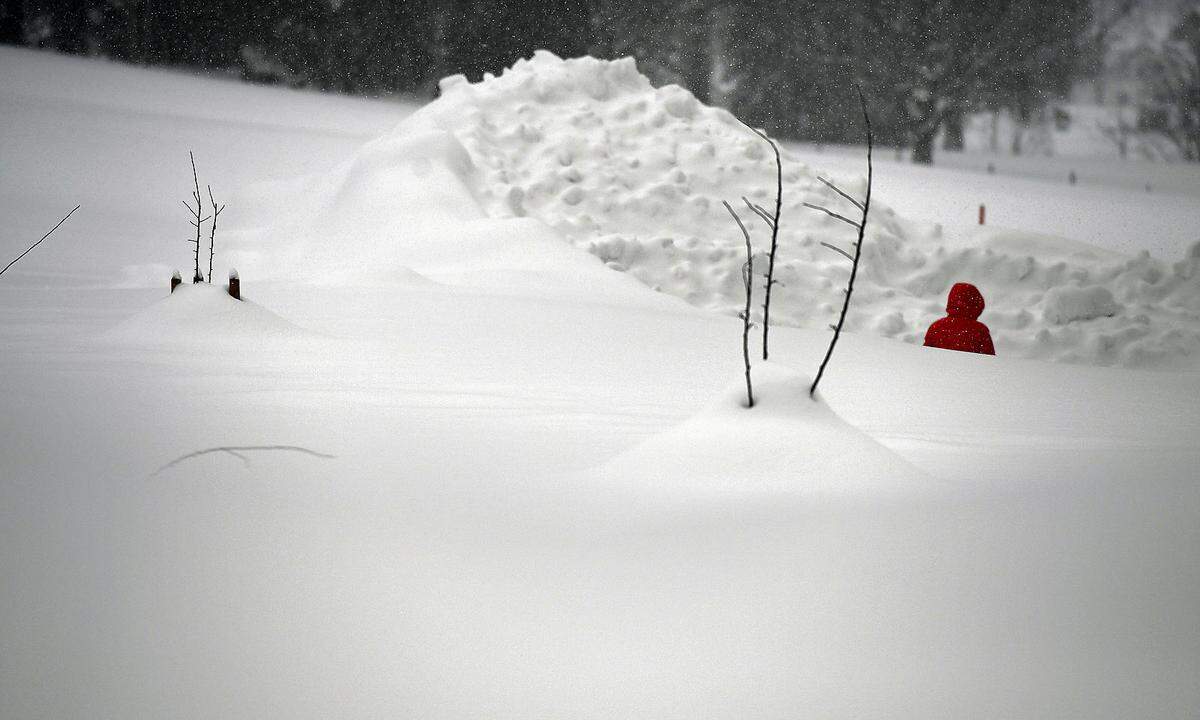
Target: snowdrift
[[636, 174], [787, 444], [483, 185], [202, 314]]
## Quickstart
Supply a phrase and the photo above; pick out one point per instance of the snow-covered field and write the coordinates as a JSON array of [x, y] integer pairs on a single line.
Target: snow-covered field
[[505, 480]]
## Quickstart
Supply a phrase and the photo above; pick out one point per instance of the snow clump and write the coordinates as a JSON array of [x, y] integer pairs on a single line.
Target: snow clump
[[1067, 304]]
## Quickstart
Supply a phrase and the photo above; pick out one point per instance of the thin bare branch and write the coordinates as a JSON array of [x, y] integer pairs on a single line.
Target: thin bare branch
[[831, 213], [774, 224], [212, 235], [759, 212], [862, 228], [738, 220], [839, 191], [196, 213], [39, 242], [748, 282], [754, 130], [837, 249]]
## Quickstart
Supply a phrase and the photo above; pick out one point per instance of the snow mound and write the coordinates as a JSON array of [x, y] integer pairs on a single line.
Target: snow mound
[[636, 175], [786, 444], [201, 314]]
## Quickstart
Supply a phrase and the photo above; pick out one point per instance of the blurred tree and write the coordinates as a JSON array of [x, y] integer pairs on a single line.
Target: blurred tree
[[12, 21], [64, 25], [930, 60], [784, 66], [487, 37], [1053, 49], [683, 41], [1173, 75], [782, 58]]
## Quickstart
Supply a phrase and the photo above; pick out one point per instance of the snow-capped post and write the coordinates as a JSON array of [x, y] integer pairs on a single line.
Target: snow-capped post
[[39, 242], [772, 222], [197, 218], [748, 283], [235, 285], [982, 213], [213, 232], [861, 226], [176, 280]]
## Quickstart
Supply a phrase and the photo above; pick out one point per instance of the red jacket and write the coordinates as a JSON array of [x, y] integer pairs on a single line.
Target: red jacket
[[960, 330]]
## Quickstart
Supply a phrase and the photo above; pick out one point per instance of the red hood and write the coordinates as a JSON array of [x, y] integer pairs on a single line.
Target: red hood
[[965, 301]]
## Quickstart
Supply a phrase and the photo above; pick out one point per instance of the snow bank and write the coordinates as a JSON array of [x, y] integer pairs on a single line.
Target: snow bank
[[636, 174], [786, 444]]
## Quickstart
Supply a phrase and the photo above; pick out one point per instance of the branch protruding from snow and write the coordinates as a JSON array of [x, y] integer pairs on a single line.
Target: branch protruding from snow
[[748, 283], [216, 211], [773, 223], [862, 227], [197, 217]]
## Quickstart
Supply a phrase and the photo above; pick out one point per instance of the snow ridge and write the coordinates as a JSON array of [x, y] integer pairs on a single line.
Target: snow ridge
[[635, 175]]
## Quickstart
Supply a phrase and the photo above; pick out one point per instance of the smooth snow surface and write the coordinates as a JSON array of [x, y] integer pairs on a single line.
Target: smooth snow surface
[[443, 464], [729, 440], [202, 314]]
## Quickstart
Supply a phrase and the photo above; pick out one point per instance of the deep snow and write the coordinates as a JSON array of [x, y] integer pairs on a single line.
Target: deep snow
[[636, 175], [499, 529]]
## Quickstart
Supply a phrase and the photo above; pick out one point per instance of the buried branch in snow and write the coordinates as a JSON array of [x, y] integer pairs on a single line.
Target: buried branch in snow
[[748, 282], [238, 452], [216, 211], [198, 217]]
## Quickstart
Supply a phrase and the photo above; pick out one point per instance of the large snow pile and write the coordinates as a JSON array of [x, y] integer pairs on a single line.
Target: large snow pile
[[636, 175]]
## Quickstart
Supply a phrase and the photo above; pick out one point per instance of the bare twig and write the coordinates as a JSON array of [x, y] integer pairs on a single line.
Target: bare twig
[[213, 232], [759, 211], [839, 191], [237, 450], [774, 225], [39, 242], [748, 283], [862, 227], [197, 218], [837, 249], [831, 213]]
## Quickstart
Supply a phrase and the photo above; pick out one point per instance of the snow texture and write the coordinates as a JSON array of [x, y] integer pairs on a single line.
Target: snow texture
[[636, 175]]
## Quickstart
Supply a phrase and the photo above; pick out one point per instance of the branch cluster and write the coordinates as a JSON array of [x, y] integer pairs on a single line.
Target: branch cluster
[[772, 222], [198, 219]]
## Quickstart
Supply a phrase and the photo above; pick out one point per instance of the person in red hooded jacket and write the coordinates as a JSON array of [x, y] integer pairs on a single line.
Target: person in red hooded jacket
[[961, 329]]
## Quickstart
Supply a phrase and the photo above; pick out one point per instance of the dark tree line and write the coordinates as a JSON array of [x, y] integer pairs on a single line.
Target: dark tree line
[[1173, 75], [785, 64]]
